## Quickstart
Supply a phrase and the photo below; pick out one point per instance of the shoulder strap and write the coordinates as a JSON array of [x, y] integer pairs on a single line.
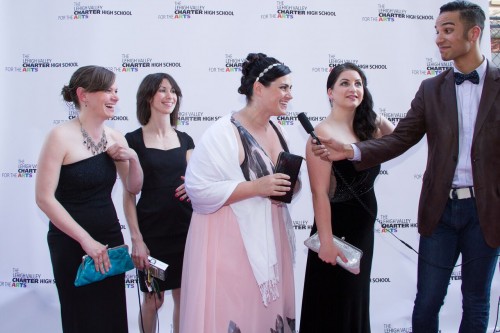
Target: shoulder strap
[[280, 136]]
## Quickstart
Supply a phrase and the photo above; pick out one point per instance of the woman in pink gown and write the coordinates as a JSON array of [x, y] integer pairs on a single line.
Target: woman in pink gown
[[237, 274]]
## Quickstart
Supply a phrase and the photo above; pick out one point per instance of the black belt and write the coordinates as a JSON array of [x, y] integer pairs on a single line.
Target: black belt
[[462, 193]]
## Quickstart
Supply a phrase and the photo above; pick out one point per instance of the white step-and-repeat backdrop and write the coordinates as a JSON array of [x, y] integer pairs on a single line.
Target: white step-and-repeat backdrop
[[202, 44]]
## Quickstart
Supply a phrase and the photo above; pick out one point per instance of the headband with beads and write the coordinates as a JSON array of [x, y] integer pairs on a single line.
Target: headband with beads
[[266, 70]]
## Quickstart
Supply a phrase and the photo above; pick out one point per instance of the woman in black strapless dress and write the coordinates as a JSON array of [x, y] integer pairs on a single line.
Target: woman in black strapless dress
[[76, 174], [335, 300]]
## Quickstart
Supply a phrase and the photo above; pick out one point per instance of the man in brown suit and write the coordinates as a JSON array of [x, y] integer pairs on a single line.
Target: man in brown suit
[[459, 208]]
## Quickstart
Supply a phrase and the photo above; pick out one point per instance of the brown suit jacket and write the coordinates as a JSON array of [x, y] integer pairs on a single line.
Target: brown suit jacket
[[434, 112]]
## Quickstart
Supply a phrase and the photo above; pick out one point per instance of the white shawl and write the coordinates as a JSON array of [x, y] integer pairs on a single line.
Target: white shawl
[[212, 175]]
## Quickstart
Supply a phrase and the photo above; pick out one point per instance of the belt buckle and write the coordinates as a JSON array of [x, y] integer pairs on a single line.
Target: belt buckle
[[462, 193]]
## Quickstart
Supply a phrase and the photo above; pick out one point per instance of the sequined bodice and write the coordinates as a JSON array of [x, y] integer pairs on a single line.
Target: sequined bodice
[[89, 179], [351, 182], [84, 190]]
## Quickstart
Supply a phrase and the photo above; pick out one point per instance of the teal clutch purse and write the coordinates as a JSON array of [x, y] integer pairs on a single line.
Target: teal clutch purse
[[119, 258]]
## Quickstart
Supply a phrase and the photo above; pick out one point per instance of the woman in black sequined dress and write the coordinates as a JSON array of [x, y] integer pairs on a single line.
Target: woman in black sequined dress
[[335, 300]]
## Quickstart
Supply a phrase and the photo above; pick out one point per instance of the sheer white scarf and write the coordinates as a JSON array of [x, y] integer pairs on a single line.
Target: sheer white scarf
[[212, 175]]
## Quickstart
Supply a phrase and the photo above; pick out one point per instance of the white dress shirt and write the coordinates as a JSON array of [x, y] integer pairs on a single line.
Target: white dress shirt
[[468, 97]]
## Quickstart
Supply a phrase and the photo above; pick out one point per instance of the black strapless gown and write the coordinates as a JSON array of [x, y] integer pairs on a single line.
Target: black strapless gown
[[84, 190], [335, 300]]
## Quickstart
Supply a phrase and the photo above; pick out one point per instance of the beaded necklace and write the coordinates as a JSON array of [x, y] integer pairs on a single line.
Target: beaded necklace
[[95, 148]]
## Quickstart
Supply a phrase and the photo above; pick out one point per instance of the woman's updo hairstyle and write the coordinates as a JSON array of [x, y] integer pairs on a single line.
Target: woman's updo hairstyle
[[90, 78], [260, 67]]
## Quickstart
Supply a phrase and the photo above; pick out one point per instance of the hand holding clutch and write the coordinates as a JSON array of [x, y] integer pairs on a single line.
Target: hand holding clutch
[[119, 258], [288, 164], [352, 253]]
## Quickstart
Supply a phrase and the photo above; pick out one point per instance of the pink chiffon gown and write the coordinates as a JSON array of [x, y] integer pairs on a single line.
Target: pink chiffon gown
[[220, 293]]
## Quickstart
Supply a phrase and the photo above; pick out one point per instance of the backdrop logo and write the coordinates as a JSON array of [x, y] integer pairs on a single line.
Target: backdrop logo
[[316, 118], [380, 280], [24, 170], [333, 62], [390, 224], [72, 113], [85, 11], [389, 329], [119, 118], [33, 65], [286, 11], [312, 118], [433, 67], [231, 65], [130, 64], [182, 11], [130, 280], [393, 117], [395, 14], [301, 225], [185, 118], [22, 280], [288, 119]]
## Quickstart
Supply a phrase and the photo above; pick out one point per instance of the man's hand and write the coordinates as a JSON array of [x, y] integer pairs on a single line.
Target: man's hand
[[332, 150]]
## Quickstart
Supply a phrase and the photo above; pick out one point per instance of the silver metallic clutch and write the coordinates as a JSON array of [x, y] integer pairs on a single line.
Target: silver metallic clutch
[[352, 253]]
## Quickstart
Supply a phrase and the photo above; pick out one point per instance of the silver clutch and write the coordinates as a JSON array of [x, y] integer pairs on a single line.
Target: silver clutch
[[352, 253]]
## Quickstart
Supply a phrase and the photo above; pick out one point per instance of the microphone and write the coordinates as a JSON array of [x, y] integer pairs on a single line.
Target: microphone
[[308, 126]]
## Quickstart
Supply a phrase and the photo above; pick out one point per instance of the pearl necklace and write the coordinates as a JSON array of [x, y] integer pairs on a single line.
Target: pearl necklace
[[95, 148]]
